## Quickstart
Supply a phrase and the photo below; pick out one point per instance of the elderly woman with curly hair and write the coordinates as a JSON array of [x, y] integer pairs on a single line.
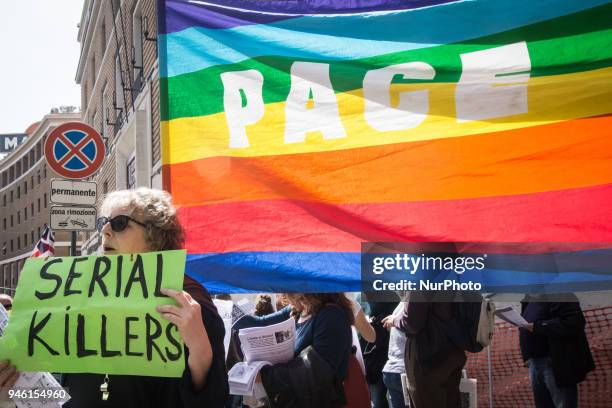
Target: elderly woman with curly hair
[[145, 220]]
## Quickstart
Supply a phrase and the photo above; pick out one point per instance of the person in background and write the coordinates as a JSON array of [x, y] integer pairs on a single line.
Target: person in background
[[263, 305], [323, 325], [433, 368], [281, 301], [555, 347], [363, 326], [395, 367], [375, 353]]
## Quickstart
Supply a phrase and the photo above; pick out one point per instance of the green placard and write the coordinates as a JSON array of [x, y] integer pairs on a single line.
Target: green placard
[[96, 314]]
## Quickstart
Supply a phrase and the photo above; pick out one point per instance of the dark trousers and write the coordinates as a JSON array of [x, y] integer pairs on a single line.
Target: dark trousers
[[546, 393], [437, 386], [378, 394], [393, 381]]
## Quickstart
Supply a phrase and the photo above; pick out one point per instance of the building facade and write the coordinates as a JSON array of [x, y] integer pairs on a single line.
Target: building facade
[[118, 74], [25, 209]]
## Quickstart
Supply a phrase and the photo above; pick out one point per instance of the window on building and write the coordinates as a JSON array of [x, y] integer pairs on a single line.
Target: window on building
[[105, 109], [18, 243], [15, 275], [32, 236], [11, 196], [32, 182], [38, 230], [45, 172], [97, 122], [39, 205], [25, 187], [32, 209], [12, 248], [4, 224], [38, 176], [103, 37], [25, 240], [18, 192], [12, 221], [93, 72], [4, 248], [119, 98], [18, 217], [137, 50], [131, 172], [25, 213], [45, 200]]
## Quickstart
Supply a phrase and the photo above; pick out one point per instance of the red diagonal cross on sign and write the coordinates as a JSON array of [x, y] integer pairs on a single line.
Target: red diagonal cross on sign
[[75, 150]]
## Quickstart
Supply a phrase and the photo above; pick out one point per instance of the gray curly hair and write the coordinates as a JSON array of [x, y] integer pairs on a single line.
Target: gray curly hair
[[153, 208]]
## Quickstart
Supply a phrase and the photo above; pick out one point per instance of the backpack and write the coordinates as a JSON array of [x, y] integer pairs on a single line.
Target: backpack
[[471, 328]]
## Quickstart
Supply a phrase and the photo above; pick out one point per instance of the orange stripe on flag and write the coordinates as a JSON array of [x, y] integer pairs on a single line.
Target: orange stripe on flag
[[550, 157]]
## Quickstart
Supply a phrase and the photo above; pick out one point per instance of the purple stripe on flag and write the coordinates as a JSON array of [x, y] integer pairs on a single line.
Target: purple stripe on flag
[[179, 15]]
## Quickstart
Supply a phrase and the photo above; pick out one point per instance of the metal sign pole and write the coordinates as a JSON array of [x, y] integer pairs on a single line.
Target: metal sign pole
[[73, 237]]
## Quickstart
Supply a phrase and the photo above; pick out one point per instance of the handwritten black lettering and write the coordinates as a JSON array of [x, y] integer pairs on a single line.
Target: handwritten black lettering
[[72, 275], [150, 337], [44, 274], [98, 276], [137, 275], [35, 328]]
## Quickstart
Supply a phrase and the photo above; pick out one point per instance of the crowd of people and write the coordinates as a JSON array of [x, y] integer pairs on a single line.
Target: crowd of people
[[347, 354]]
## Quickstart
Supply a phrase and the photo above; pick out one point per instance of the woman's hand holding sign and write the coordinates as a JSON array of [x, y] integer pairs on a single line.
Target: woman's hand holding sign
[[187, 317]]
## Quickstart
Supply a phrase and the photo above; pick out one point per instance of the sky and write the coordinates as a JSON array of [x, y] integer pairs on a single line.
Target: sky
[[39, 53]]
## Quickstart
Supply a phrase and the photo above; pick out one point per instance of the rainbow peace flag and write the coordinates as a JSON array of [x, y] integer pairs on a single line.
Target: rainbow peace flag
[[293, 131]]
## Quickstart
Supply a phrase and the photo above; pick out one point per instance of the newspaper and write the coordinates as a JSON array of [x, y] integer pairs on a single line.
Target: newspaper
[[511, 316], [242, 377], [242, 308], [261, 346], [50, 392]]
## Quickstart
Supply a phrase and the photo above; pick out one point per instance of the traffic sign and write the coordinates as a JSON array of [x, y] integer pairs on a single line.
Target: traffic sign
[[73, 218], [74, 150], [73, 192]]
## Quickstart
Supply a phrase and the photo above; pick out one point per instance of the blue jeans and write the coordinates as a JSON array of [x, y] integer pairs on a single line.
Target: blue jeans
[[378, 394], [393, 381], [546, 393]]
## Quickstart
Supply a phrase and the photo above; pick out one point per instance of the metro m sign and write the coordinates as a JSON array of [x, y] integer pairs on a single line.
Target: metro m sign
[[11, 141]]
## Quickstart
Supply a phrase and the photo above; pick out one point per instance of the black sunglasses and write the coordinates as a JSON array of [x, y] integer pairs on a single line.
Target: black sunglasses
[[118, 224]]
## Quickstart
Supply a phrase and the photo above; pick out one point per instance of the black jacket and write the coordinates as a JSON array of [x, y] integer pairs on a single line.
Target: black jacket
[[569, 349], [303, 382]]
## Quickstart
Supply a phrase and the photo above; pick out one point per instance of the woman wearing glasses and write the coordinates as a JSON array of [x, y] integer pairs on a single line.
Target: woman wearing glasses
[[145, 220]]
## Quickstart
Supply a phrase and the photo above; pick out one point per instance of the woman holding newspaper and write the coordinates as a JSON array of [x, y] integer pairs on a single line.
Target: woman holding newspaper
[[145, 220], [313, 374]]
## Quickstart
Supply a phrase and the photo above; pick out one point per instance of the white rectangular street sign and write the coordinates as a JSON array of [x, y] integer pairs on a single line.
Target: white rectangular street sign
[[73, 192], [73, 218]]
